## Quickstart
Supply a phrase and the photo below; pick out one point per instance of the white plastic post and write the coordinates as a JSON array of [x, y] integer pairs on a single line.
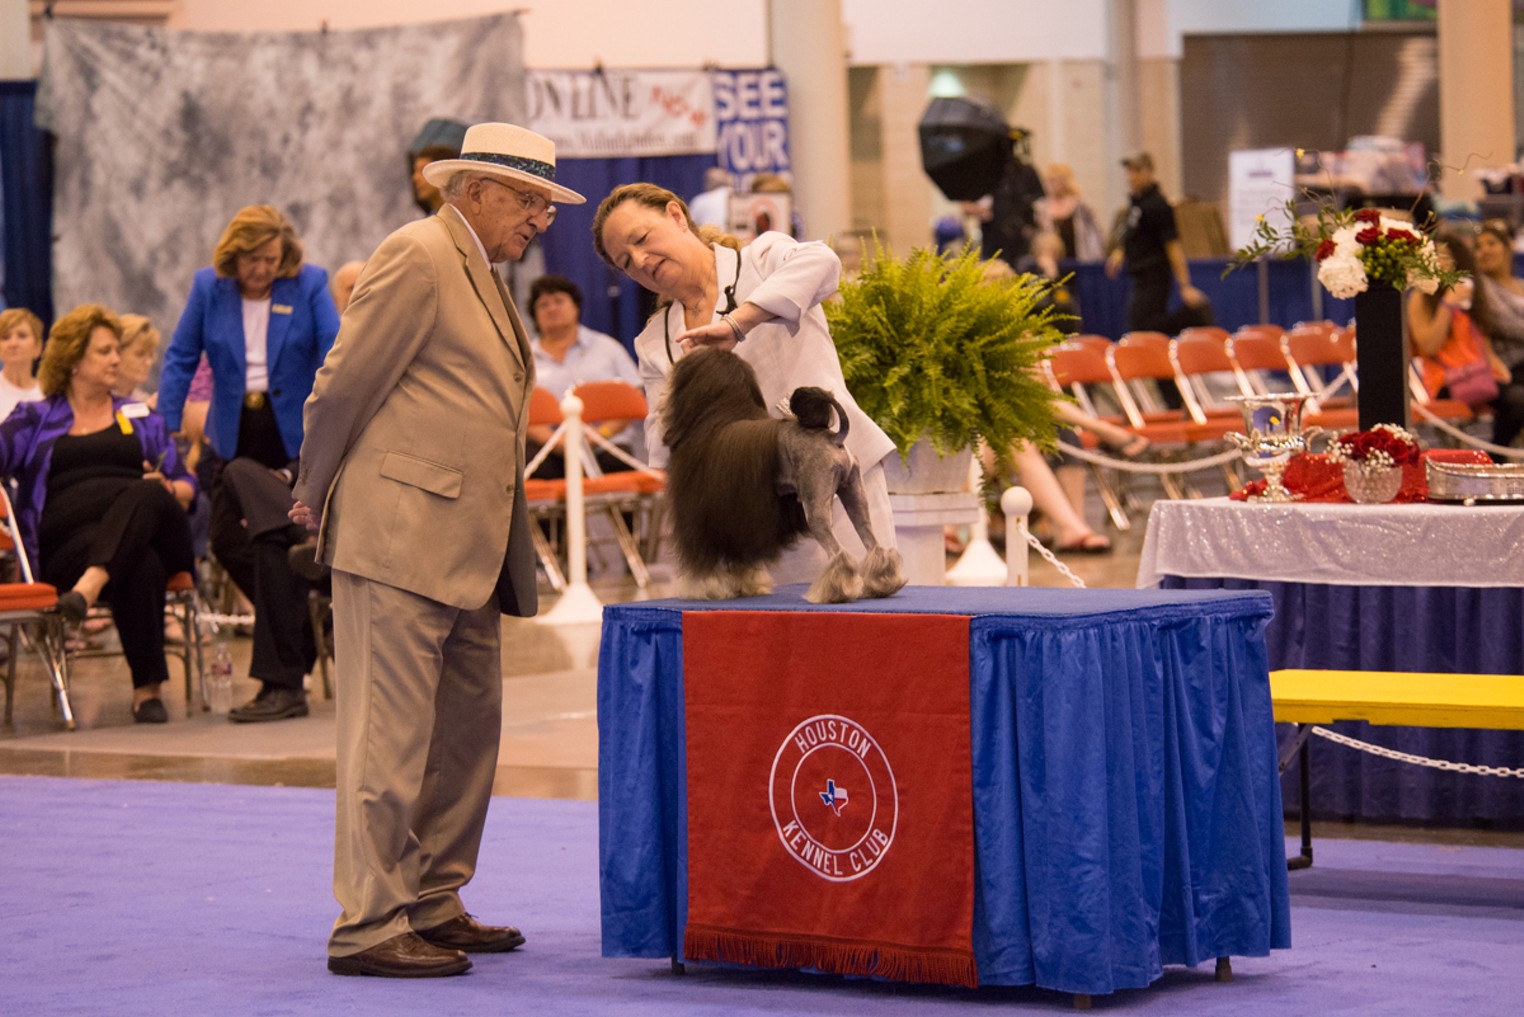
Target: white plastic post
[[578, 604], [1016, 503], [979, 564]]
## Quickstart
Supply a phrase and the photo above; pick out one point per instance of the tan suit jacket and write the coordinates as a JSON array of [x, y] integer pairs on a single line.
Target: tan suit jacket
[[416, 424]]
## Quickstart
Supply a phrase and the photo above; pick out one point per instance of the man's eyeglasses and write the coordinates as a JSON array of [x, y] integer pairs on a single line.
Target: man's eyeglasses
[[534, 204]]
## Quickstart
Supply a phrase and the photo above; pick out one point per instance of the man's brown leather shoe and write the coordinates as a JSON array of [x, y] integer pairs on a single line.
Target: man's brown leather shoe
[[404, 956], [465, 933]]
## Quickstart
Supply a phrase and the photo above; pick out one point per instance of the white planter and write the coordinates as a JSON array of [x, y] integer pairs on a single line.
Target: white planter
[[927, 473]]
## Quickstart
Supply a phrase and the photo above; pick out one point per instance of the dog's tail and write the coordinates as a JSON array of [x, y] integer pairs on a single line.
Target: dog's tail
[[812, 408]]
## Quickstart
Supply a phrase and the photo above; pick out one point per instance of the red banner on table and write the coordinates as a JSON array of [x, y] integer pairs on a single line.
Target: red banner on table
[[830, 800]]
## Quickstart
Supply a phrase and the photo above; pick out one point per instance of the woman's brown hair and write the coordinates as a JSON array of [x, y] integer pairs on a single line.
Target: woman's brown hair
[[252, 228]]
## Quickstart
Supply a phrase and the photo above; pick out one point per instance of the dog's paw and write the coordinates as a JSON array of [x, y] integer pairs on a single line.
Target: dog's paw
[[883, 572], [752, 582], [713, 586], [838, 584]]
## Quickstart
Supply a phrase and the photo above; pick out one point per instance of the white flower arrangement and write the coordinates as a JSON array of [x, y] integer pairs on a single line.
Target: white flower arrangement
[[1353, 249]]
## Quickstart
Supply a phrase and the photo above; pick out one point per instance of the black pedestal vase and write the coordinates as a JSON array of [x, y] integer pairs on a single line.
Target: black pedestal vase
[[1381, 341]]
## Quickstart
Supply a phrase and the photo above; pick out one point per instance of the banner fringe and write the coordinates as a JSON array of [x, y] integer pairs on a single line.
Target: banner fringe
[[878, 960]]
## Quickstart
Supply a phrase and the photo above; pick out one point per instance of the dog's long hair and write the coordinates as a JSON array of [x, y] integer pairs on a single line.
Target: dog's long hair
[[723, 472]]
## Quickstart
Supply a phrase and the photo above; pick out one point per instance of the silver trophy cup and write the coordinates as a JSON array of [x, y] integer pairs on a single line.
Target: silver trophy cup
[[1273, 434]]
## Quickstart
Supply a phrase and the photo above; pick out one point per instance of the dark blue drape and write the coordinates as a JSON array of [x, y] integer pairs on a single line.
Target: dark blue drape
[[1235, 297], [610, 302], [26, 183], [1428, 629]]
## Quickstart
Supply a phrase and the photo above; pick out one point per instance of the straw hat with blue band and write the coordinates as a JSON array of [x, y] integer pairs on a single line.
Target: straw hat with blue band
[[517, 155]]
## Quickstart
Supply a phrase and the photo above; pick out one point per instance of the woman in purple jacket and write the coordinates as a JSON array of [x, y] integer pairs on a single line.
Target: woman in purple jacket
[[101, 496]]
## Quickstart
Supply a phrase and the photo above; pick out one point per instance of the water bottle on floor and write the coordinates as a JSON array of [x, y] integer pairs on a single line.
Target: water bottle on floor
[[219, 678]]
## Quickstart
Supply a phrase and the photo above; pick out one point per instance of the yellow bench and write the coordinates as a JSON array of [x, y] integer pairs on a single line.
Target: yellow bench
[[1306, 697]]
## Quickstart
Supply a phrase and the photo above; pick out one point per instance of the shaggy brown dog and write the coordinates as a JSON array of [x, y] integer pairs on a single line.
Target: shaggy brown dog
[[744, 486]]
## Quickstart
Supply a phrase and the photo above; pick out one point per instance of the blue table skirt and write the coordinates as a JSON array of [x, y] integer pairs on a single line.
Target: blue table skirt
[[1126, 808], [1463, 630]]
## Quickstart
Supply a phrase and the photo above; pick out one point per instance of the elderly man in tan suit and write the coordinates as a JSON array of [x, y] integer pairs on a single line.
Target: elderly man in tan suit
[[413, 473]]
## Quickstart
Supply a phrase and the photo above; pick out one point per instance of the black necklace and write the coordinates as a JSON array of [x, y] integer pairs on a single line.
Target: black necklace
[[730, 305]]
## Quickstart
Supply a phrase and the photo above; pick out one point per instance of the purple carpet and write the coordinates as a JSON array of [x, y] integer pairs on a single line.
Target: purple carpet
[[127, 898]]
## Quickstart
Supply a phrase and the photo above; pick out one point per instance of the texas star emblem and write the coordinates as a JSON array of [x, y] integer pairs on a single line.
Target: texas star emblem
[[813, 767]]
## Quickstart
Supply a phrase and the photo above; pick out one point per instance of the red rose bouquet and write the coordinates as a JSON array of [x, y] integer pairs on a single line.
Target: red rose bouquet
[[1382, 445]]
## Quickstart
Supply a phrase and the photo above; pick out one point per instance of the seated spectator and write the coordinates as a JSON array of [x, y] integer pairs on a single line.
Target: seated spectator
[[265, 322], [102, 495], [1451, 350], [568, 353], [140, 347], [711, 207], [20, 346]]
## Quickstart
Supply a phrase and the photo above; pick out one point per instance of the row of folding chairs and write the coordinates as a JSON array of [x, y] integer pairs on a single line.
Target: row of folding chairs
[[621, 498]]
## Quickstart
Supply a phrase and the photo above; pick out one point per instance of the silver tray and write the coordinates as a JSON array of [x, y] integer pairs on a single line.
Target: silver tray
[[1474, 482]]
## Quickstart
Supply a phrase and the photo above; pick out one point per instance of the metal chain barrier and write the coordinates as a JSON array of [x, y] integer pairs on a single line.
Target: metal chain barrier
[[1408, 757], [1052, 559], [1466, 439], [1129, 466], [215, 621]]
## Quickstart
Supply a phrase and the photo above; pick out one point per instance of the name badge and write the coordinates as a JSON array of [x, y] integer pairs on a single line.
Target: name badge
[[135, 410], [280, 308]]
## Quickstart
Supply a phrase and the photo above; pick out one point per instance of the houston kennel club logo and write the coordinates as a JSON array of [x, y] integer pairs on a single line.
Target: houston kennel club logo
[[834, 800]]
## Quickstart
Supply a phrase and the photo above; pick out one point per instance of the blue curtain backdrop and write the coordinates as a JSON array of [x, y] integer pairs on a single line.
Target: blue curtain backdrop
[[610, 302], [26, 183]]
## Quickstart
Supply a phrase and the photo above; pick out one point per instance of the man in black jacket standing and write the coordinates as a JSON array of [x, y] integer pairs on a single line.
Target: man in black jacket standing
[[1152, 254]]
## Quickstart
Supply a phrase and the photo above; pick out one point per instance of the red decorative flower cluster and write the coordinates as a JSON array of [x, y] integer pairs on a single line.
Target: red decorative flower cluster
[[1385, 444]]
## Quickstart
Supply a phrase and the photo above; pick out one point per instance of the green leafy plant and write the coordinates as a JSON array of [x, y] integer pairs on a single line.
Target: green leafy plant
[[931, 349]]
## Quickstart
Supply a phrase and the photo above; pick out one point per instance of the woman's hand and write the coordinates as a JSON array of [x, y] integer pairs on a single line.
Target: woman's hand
[[183, 492], [718, 334]]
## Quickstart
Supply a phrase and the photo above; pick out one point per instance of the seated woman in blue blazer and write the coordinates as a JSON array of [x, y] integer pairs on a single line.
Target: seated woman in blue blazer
[[264, 321]]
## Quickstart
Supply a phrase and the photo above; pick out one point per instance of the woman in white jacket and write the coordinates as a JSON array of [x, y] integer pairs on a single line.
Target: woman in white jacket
[[763, 302]]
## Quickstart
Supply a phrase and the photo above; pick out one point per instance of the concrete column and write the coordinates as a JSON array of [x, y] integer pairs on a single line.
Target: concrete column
[[808, 44], [1476, 104], [907, 190], [1123, 109], [15, 40]]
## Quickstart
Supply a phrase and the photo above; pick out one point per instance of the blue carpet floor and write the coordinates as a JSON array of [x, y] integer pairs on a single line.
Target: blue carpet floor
[[128, 898]]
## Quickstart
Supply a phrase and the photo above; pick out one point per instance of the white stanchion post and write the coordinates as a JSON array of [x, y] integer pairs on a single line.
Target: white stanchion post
[[1016, 503], [979, 564], [578, 604]]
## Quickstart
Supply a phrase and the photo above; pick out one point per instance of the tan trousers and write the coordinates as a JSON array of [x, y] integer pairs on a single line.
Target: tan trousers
[[419, 694]]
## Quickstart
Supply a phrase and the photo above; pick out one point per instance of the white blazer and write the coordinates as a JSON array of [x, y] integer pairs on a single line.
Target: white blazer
[[789, 279]]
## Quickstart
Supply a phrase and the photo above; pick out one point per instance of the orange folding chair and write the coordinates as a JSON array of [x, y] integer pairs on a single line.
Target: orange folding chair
[[29, 612], [611, 494]]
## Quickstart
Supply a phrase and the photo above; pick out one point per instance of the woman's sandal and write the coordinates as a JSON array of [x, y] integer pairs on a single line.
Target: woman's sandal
[[1090, 543]]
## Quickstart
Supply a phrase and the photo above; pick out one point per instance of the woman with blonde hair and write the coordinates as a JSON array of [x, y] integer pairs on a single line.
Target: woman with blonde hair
[[140, 347], [101, 494], [20, 346], [265, 321], [1065, 212], [762, 301]]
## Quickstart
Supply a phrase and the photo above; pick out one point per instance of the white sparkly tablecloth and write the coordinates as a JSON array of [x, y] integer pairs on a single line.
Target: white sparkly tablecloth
[[1339, 544]]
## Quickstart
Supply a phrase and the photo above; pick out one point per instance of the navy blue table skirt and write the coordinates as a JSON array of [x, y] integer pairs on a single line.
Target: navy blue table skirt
[[1127, 811], [1463, 630]]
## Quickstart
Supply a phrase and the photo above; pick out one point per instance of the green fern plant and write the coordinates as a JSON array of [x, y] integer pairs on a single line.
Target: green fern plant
[[931, 349]]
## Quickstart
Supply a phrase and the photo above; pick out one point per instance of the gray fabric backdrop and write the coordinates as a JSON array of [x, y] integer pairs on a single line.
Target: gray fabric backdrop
[[163, 135]]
